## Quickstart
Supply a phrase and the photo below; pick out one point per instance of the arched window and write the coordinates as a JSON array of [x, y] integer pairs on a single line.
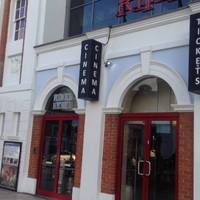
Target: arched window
[[62, 100]]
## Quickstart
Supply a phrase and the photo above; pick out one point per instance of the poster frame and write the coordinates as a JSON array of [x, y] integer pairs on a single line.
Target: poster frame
[[19, 145]]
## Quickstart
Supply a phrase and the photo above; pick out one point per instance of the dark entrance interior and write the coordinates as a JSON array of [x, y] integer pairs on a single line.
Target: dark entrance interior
[[58, 146], [57, 161], [148, 140], [148, 160]]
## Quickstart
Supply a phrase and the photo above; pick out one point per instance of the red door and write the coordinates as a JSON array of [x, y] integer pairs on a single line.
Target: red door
[[147, 157], [56, 172]]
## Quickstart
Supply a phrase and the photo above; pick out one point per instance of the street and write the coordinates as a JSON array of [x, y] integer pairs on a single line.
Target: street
[[10, 195]]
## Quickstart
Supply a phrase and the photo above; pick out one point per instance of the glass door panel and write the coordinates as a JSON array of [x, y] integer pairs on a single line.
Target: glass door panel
[[48, 170], [163, 160], [67, 157], [132, 161]]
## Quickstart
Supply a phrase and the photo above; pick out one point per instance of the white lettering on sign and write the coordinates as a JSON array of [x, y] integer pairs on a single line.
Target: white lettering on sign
[[198, 21], [197, 59], [63, 101], [197, 81], [63, 97], [94, 82], [90, 70], [83, 81], [95, 65], [95, 74], [84, 72], [83, 91], [198, 51], [197, 70], [93, 91], [86, 47], [85, 63], [198, 41]]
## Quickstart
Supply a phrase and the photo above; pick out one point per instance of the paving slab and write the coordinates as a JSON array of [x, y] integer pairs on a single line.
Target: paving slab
[[10, 195]]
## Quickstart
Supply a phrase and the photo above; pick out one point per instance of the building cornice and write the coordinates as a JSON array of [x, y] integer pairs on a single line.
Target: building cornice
[[112, 110], [116, 31], [183, 108], [38, 112], [80, 111], [15, 88], [195, 7]]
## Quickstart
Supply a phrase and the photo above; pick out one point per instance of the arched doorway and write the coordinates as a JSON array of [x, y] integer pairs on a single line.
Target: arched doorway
[[58, 145], [148, 143]]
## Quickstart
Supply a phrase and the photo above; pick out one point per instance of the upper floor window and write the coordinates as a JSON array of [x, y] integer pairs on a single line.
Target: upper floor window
[[20, 19], [74, 17], [87, 15]]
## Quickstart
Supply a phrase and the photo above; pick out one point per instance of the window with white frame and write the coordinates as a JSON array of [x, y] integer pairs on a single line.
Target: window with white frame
[[20, 19]]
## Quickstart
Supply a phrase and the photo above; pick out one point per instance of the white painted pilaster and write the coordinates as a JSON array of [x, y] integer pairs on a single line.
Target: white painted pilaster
[[93, 143], [196, 147], [91, 163], [145, 60]]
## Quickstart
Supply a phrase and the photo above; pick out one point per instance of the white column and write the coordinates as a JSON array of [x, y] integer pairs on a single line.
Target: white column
[[93, 144], [197, 147], [92, 148]]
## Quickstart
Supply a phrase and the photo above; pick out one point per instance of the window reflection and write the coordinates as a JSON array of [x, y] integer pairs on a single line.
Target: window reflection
[[87, 15], [67, 157], [49, 156], [105, 13]]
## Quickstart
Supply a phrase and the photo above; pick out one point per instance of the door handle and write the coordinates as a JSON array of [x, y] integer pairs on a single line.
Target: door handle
[[149, 168], [139, 166]]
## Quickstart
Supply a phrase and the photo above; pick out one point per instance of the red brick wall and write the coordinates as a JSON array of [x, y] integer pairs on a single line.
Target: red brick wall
[[79, 150], [35, 146], [108, 184], [185, 157], [3, 38]]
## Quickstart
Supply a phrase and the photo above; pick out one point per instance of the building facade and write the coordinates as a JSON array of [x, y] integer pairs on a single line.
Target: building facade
[[140, 139]]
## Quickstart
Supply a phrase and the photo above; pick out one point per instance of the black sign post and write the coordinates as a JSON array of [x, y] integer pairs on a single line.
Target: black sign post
[[194, 54], [89, 78]]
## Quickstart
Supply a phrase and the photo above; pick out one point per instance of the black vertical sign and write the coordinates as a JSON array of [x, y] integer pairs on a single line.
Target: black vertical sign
[[89, 77], [194, 54]]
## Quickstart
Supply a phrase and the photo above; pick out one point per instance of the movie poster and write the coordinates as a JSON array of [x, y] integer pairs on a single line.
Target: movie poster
[[10, 165]]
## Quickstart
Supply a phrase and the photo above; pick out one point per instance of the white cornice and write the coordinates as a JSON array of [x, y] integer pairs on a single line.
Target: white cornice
[[175, 16], [54, 66], [38, 112], [15, 88], [80, 111], [183, 108], [57, 45], [195, 7], [152, 22], [112, 110]]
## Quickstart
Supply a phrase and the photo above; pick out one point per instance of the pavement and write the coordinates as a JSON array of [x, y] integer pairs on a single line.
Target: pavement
[[10, 195]]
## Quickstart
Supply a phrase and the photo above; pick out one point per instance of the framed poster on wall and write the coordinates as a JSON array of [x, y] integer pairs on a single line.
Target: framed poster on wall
[[10, 165]]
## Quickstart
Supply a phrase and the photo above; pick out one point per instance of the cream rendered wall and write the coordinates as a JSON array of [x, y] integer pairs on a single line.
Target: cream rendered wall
[[16, 95]]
